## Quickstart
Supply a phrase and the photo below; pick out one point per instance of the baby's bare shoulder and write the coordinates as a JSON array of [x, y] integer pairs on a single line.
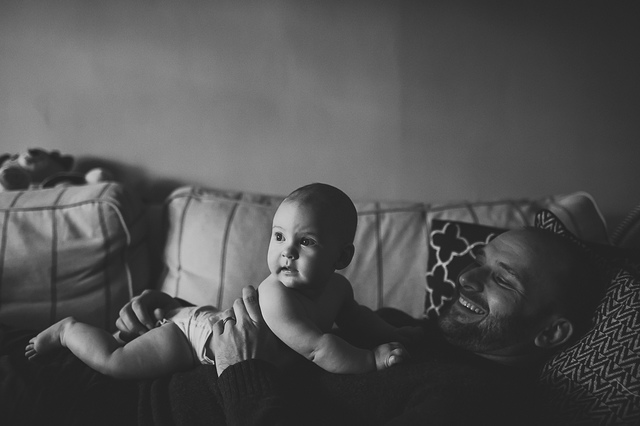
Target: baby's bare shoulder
[[271, 288]]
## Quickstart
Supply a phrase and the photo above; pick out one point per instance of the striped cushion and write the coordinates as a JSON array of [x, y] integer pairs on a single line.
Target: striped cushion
[[217, 242], [76, 250]]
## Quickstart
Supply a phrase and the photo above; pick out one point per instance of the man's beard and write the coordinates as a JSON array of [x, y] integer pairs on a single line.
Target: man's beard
[[493, 332]]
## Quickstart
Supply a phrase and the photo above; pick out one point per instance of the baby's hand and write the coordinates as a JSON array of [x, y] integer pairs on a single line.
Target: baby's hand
[[390, 354]]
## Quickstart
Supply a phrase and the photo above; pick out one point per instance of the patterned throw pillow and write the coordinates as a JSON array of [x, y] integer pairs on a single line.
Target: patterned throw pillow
[[608, 259], [597, 380], [449, 245]]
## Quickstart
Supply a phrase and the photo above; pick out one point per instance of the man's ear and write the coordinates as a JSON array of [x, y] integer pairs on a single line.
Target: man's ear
[[345, 256], [555, 334]]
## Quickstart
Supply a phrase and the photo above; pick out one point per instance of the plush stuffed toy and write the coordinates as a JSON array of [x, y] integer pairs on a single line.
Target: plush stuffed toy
[[37, 168]]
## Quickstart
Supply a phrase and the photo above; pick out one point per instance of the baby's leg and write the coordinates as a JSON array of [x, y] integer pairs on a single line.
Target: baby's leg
[[48, 340], [160, 351]]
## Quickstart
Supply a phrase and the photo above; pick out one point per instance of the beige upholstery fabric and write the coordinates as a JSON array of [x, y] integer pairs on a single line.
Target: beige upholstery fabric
[[76, 250], [217, 242]]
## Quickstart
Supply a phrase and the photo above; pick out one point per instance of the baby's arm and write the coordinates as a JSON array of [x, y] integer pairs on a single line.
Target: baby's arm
[[363, 324], [287, 317], [366, 328]]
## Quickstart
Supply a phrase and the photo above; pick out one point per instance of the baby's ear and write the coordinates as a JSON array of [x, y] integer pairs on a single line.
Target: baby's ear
[[345, 257]]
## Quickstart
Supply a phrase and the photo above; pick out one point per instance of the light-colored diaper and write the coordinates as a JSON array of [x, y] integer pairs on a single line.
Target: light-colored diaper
[[196, 323]]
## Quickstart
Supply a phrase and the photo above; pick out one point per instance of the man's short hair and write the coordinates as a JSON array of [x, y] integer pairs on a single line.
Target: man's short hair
[[330, 201]]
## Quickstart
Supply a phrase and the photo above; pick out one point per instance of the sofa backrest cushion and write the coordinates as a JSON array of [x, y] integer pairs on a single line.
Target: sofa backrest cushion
[[75, 250], [217, 242]]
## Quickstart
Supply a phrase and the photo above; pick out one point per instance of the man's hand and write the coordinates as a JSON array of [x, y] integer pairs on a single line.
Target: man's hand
[[390, 354], [142, 313], [243, 336]]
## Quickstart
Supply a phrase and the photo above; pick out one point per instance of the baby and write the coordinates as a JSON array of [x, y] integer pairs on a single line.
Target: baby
[[301, 300]]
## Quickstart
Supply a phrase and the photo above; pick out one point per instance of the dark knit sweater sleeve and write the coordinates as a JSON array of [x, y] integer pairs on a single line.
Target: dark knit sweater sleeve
[[247, 393], [251, 393]]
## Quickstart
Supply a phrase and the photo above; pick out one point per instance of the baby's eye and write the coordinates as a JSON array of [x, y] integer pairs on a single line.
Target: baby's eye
[[278, 236], [307, 242]]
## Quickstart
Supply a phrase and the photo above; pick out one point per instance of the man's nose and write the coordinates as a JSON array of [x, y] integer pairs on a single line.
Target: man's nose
[[473, 279]]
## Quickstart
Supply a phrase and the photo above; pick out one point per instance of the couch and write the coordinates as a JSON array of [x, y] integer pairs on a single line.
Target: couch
[[86, 250]]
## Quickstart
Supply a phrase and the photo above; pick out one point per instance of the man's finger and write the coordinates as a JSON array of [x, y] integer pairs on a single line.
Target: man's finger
[[218, 328], [159, 314], [227, 313], [128, 322], [120, 325], [250, 297], [240, 312], [142, 315]]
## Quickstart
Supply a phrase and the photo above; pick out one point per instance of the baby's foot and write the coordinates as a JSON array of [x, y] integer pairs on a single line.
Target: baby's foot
[[47, 341]]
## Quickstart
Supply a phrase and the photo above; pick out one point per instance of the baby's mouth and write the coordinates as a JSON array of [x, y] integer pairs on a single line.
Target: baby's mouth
[[287, 270]]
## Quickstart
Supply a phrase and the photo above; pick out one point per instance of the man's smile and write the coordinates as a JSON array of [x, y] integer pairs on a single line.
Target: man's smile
[[470, 305]]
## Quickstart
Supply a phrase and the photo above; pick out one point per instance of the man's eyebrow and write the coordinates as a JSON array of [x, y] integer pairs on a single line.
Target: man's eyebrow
[[479, 251]]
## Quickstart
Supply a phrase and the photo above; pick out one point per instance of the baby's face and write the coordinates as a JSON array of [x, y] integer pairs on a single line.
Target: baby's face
[[304, 248]]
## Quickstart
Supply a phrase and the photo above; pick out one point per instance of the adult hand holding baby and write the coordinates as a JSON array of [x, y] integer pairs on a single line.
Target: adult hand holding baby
[[244, 335], [143, 312]]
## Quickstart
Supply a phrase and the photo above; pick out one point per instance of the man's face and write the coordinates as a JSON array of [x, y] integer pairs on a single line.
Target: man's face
[[304, 247], [505, 297]]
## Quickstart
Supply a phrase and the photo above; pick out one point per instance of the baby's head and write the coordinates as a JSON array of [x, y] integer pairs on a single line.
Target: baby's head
[[313, 232], [334, 207]]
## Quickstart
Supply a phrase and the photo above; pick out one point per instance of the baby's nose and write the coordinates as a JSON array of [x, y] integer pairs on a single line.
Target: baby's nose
[[289, 252]]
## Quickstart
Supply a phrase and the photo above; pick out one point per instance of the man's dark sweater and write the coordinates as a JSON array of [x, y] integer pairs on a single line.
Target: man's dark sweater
[[441, 385]]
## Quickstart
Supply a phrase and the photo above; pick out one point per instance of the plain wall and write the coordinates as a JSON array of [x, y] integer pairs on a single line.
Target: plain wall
[[400, 100]]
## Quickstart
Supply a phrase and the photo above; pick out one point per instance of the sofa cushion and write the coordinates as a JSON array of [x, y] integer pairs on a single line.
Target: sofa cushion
[[597, 379], [217, 242], [607, 258], [450, 246], [75, 250]]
